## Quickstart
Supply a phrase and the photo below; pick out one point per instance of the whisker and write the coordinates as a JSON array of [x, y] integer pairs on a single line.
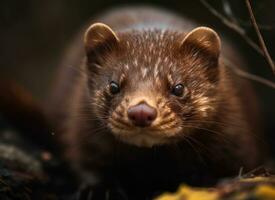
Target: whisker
[[214, 133], [196, 150], [165, 121]]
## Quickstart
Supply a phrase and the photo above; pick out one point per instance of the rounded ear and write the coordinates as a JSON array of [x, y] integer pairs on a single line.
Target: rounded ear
[[205, 39], [99, 37]]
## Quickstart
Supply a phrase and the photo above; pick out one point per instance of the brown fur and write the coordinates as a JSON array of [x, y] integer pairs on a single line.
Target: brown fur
[[196, 139]]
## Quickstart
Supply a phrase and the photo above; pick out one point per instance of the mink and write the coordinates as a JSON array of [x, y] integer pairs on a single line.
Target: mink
[[143, 99]]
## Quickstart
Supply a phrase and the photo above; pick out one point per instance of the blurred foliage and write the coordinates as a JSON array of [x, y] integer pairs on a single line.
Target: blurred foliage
[[257, 188]]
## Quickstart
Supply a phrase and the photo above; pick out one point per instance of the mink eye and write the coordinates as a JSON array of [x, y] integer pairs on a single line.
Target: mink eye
[[114, 87], [178, 90]]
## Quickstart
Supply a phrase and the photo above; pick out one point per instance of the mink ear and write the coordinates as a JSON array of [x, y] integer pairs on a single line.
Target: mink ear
[[99, 38], [203, 39]]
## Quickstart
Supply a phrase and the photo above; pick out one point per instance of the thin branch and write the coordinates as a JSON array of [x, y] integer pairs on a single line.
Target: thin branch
[[234, 27], [265, 27], [227, 22], [228, 11], [236, 20], [260, 37], [242, 33], [247, 75]]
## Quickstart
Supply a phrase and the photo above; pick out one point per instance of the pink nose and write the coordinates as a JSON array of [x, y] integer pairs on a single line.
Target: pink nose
[[142, 114]]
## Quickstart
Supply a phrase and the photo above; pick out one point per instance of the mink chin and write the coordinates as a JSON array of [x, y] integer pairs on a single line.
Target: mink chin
[[149, 103]]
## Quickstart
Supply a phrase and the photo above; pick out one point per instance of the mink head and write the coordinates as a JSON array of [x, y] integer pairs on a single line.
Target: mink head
[[152, 86]]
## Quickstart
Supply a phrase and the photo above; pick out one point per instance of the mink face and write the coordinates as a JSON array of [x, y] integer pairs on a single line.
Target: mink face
[[152, 87]]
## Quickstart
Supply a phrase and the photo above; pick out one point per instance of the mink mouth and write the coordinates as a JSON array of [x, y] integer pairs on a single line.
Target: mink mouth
[[145, 136]]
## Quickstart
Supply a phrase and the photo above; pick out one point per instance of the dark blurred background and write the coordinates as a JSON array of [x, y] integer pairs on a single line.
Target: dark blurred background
[[33, 35]]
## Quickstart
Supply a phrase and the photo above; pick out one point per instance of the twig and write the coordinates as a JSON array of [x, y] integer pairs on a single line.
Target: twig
[[240, 173], [227, 22], [247, 75], [242, 33], [229, 14], [234, 27], [260, 37], [265, 27]]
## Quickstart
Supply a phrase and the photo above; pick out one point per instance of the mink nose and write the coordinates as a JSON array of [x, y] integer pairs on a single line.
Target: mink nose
[[142, 114]]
